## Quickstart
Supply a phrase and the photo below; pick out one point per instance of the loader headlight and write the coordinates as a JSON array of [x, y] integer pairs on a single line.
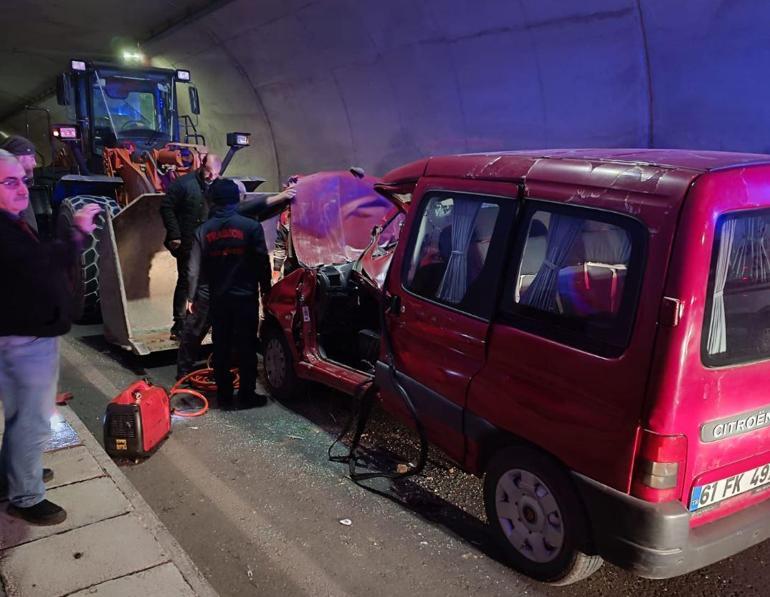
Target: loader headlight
[[238, 139]]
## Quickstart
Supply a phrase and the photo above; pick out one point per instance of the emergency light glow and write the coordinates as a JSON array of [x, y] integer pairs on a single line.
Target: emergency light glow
[[183, 75], [78, 65]]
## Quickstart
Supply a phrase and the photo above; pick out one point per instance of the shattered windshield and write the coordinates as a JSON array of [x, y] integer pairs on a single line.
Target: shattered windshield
[[128, 107]]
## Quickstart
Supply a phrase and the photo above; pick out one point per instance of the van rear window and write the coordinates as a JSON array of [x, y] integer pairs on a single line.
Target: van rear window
[[737, 322], [578, 278]]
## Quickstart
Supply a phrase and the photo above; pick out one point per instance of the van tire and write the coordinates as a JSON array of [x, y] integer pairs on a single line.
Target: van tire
[[278, 365], [84, 276], [544, 499]]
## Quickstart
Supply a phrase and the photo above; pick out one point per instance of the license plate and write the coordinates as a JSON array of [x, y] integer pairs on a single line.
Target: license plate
[[713, 493]]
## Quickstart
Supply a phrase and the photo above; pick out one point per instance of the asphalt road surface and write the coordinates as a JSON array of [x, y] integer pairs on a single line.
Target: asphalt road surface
[[253, 498]]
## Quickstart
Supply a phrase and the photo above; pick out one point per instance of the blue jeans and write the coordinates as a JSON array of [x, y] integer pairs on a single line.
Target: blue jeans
[[29, 371]]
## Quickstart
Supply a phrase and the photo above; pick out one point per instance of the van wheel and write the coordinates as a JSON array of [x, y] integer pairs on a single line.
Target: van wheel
[[537, 517], [278, 365]]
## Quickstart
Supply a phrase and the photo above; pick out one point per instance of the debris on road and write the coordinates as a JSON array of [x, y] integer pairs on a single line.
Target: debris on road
[[346, 521]]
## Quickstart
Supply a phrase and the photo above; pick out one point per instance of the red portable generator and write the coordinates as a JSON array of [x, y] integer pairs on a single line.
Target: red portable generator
[[137, 420]]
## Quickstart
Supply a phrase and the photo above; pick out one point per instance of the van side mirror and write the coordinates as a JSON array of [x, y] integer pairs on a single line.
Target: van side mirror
[[195, 102], [63, 90]]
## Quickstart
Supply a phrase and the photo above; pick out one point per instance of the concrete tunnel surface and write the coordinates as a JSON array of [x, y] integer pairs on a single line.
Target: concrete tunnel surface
[[326, 84], [323, 85]]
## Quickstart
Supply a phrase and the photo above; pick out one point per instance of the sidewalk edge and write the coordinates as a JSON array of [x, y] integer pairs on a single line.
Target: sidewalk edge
[[178, 555]]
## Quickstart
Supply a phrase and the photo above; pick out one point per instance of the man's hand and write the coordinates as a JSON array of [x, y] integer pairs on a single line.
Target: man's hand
[[174, 244], [83, 219], [190, 307], [286, 195]]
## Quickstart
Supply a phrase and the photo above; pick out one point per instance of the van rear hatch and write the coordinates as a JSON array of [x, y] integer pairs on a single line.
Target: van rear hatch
[[710, 384]]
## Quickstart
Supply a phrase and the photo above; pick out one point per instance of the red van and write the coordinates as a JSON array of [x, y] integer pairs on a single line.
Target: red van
[[589, 329]]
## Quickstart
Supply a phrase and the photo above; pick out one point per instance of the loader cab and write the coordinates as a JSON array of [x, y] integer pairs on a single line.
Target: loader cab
[[122, 107]]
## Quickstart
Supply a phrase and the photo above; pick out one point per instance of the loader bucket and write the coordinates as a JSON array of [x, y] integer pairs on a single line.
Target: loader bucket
[[137, 276]]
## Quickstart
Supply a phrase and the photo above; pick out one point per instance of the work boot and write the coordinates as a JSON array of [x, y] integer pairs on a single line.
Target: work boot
[[251, 399], [44, 513], [47, 478], [176, 331], [225, 402]]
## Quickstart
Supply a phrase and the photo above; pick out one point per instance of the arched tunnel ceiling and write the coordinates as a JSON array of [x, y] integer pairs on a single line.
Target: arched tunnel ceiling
[[329, 83], [39, 37]]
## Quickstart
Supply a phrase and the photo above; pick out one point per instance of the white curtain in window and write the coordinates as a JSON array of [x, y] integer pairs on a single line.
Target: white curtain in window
[[455, 280], [717, 338], [562, 233], [749, 258]]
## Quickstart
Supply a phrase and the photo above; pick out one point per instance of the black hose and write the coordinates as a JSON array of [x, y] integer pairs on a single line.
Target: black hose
[[364, 396]]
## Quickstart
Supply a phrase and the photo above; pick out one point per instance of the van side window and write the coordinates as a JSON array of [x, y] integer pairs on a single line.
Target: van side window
[[577, 279], [737, 322], [449, 253]]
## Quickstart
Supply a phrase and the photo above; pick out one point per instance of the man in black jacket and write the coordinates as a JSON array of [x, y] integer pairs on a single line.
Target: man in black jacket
[[34, 310], [183, 210], [233, 259], [197, 322]]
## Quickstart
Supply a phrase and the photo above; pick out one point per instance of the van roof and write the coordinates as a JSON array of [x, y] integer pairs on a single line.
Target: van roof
[[673, 159], [666, 173], [689, 159]]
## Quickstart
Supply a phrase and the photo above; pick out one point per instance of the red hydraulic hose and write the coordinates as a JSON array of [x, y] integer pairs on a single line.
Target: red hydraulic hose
[[201, 380]]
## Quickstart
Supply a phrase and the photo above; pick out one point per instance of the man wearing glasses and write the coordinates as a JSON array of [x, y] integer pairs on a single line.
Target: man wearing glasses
[[34, 311], [24, 151]]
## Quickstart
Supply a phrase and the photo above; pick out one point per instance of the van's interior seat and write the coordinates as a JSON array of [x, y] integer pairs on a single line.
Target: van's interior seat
[[427, 279], [591, 288], [532, 260]]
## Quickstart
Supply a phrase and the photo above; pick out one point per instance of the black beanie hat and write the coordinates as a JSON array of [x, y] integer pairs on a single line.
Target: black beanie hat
[[224, 192], [18, 146]]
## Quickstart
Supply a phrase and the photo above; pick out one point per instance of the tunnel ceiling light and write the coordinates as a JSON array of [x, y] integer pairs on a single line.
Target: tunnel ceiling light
[[78, 65], [183, 75], [133, 56]]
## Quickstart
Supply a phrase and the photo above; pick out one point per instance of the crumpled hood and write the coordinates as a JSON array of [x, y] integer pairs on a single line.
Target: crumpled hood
[[332, 217]]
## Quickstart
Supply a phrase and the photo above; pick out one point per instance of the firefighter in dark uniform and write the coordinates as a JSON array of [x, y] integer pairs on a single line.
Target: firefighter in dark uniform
[[230, 253], [183, 209], [197, 323]]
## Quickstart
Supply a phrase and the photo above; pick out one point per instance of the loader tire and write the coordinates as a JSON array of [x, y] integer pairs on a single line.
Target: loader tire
[[84, 276]]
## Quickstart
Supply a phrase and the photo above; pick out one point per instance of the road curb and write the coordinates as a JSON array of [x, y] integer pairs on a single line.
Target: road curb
[[190, 572]]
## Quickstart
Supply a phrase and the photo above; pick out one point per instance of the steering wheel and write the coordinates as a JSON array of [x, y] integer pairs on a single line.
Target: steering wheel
[[133, 124]]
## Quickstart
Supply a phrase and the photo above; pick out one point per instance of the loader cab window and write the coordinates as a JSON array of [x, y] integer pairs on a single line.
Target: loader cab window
[[131, 108], [454, 253]]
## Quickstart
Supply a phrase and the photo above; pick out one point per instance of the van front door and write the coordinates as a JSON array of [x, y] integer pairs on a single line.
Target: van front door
[[441, 293]]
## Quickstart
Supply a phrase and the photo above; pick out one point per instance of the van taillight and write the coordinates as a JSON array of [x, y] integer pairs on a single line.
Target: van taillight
[[659, 469]]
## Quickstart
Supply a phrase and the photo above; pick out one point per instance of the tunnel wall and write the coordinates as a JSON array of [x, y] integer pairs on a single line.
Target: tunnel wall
[[333, 83]]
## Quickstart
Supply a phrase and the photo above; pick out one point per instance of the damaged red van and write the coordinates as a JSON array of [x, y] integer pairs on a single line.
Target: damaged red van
[[588, 329]]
